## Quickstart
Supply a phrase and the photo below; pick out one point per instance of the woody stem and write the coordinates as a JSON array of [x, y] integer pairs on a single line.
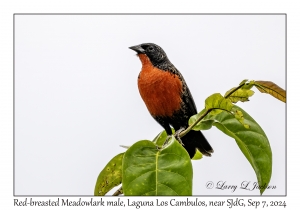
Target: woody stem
[[233, 90], [183, 133]]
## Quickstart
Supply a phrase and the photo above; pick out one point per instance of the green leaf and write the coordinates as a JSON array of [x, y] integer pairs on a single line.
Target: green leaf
[[160, 139], [272, 89], [248, 85], [205, 124], [240, 95], [252, 141], [243, 82], [198, 155], [240, 117], [149, 171], [110, 176], [248, 135], [218, 103], [214, 105]]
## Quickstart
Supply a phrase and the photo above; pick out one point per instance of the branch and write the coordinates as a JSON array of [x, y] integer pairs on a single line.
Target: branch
[[183, 133], [233, 90], [118, 192]]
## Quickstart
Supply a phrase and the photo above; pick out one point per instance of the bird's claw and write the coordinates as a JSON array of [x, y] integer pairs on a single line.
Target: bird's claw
[[177, 137], [177, 133]]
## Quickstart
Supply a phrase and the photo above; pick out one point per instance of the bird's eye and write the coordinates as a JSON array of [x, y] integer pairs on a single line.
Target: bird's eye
[[150, 48]]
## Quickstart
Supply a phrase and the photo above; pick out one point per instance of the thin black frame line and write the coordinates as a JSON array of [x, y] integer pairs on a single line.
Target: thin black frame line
[[14, 185]]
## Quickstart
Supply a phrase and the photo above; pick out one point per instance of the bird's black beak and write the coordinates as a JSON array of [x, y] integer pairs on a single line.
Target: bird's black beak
[[138, 49]]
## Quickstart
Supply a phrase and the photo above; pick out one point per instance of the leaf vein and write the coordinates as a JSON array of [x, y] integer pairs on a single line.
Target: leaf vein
[[139, 176], [175, 173], [169, 188]]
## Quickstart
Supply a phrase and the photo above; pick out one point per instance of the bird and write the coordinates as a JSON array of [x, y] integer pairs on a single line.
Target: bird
[[167, 96]]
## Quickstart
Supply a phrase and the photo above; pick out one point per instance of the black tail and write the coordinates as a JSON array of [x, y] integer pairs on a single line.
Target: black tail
[[195, 139]]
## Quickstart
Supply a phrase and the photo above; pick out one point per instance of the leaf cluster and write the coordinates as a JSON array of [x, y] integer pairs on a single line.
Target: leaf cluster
[[163, 167]]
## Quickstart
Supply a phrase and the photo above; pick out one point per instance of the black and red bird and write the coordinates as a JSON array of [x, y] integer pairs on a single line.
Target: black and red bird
[[167, 96]]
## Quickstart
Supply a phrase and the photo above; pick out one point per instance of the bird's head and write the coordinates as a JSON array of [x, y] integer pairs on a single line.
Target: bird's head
[[154, 52]]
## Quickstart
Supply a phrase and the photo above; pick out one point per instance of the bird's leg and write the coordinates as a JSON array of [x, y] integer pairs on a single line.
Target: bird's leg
[[167, 140], [177, 135]]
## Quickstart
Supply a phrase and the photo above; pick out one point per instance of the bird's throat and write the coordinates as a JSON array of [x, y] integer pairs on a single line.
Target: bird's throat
[[145, 60]]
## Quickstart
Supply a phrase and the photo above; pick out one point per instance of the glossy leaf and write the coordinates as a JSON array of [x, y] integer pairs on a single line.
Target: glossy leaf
[[160, 139], [272, 89], [240, 117], [217, 103], [110, 176], [252, 141], [151, 171]]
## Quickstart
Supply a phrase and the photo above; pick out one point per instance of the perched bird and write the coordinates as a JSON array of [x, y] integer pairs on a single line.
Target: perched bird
[[167, 96]]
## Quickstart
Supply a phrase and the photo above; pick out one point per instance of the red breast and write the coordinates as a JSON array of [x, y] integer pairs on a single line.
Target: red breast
[[160, 90]]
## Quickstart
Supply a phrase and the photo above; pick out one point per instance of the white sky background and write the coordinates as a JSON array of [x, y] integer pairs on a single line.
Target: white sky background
[[76, 95]]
